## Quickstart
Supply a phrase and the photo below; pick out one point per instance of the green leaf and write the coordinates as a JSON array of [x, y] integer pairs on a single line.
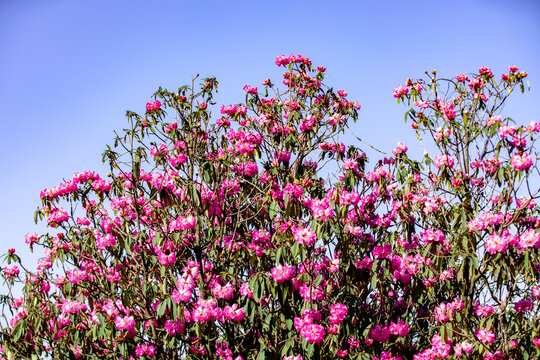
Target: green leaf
[[295, 250], [262, 355], [285, 349], [274, 210]]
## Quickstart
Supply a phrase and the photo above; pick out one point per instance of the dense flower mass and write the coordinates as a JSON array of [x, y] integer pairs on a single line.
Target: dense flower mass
[[251, 231]]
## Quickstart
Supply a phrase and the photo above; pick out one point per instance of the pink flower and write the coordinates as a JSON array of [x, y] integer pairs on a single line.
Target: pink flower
[[485, 336], [125, 323], [233, 312], [401, 91], [338, 312], [145, 350], [30, 239], [250, 90], [174, 327], [380, 334], [486, 71], [313, 333], [462, 347], [483, 311], [523, 305], [153, 105], [400, 148], [521, 162], [282, 273], [399, 329], [11, 272], [444, 160], [498, 243], [304, 236], [223, 292]]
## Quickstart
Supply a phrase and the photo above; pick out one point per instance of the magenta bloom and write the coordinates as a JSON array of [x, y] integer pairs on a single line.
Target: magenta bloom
[[485, 336], [153, 105], [125, 323], [338, 312], [400, 148], [304, 236], [400, 91], [282, 273], [380, 334], [444, 160], [521, 162]]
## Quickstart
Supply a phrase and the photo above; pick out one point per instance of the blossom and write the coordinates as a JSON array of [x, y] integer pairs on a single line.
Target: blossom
[[281, 273], [400, 148], [444, 160], [400, 91], [174, 327], [153, 105], [304, 236], [523, 305], [11, 272], [485, 336], [233, 312], [521, 162], [125, 322], [145, 350], [379, 333], [498, 243], [483, 311], [338, 312], [399, 329], [30, 239]]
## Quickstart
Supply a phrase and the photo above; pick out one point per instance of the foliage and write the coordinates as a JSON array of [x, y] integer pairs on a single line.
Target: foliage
[[219, 239]]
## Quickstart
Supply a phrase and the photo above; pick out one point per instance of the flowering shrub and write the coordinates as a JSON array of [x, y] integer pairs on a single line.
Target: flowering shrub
[[219, 239]]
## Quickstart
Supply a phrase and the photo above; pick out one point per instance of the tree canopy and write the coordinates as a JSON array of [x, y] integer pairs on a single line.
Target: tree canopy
[[258, 234]]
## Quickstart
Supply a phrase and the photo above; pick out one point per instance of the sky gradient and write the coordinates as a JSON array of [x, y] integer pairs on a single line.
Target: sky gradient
[[70, 69]]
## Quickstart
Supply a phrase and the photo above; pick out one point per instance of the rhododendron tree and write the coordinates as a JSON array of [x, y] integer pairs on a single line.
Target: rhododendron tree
[[257, 233]]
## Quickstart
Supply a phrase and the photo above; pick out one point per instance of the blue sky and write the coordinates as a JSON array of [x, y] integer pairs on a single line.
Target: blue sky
[[70, 69]]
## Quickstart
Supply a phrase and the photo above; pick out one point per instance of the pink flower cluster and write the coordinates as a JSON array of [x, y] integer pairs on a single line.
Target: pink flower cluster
[[499, 242], [400, 149], [182, 223], [153, 106], [523, 305], [126, 322], [485, 336], [250, 90], [463, 347], [338, 312], [522, 162], [297, 59], [485, 220], [282, 273], [483, 311], [234, 110], [444, 160], [57, 216], [529, 239], [313, 333], [445, 311], [145, 350], [11, 272], [304, 236], [401, 91], [439, 350]]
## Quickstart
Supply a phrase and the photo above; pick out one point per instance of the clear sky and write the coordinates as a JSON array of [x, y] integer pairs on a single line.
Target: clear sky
[[70, 69]]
